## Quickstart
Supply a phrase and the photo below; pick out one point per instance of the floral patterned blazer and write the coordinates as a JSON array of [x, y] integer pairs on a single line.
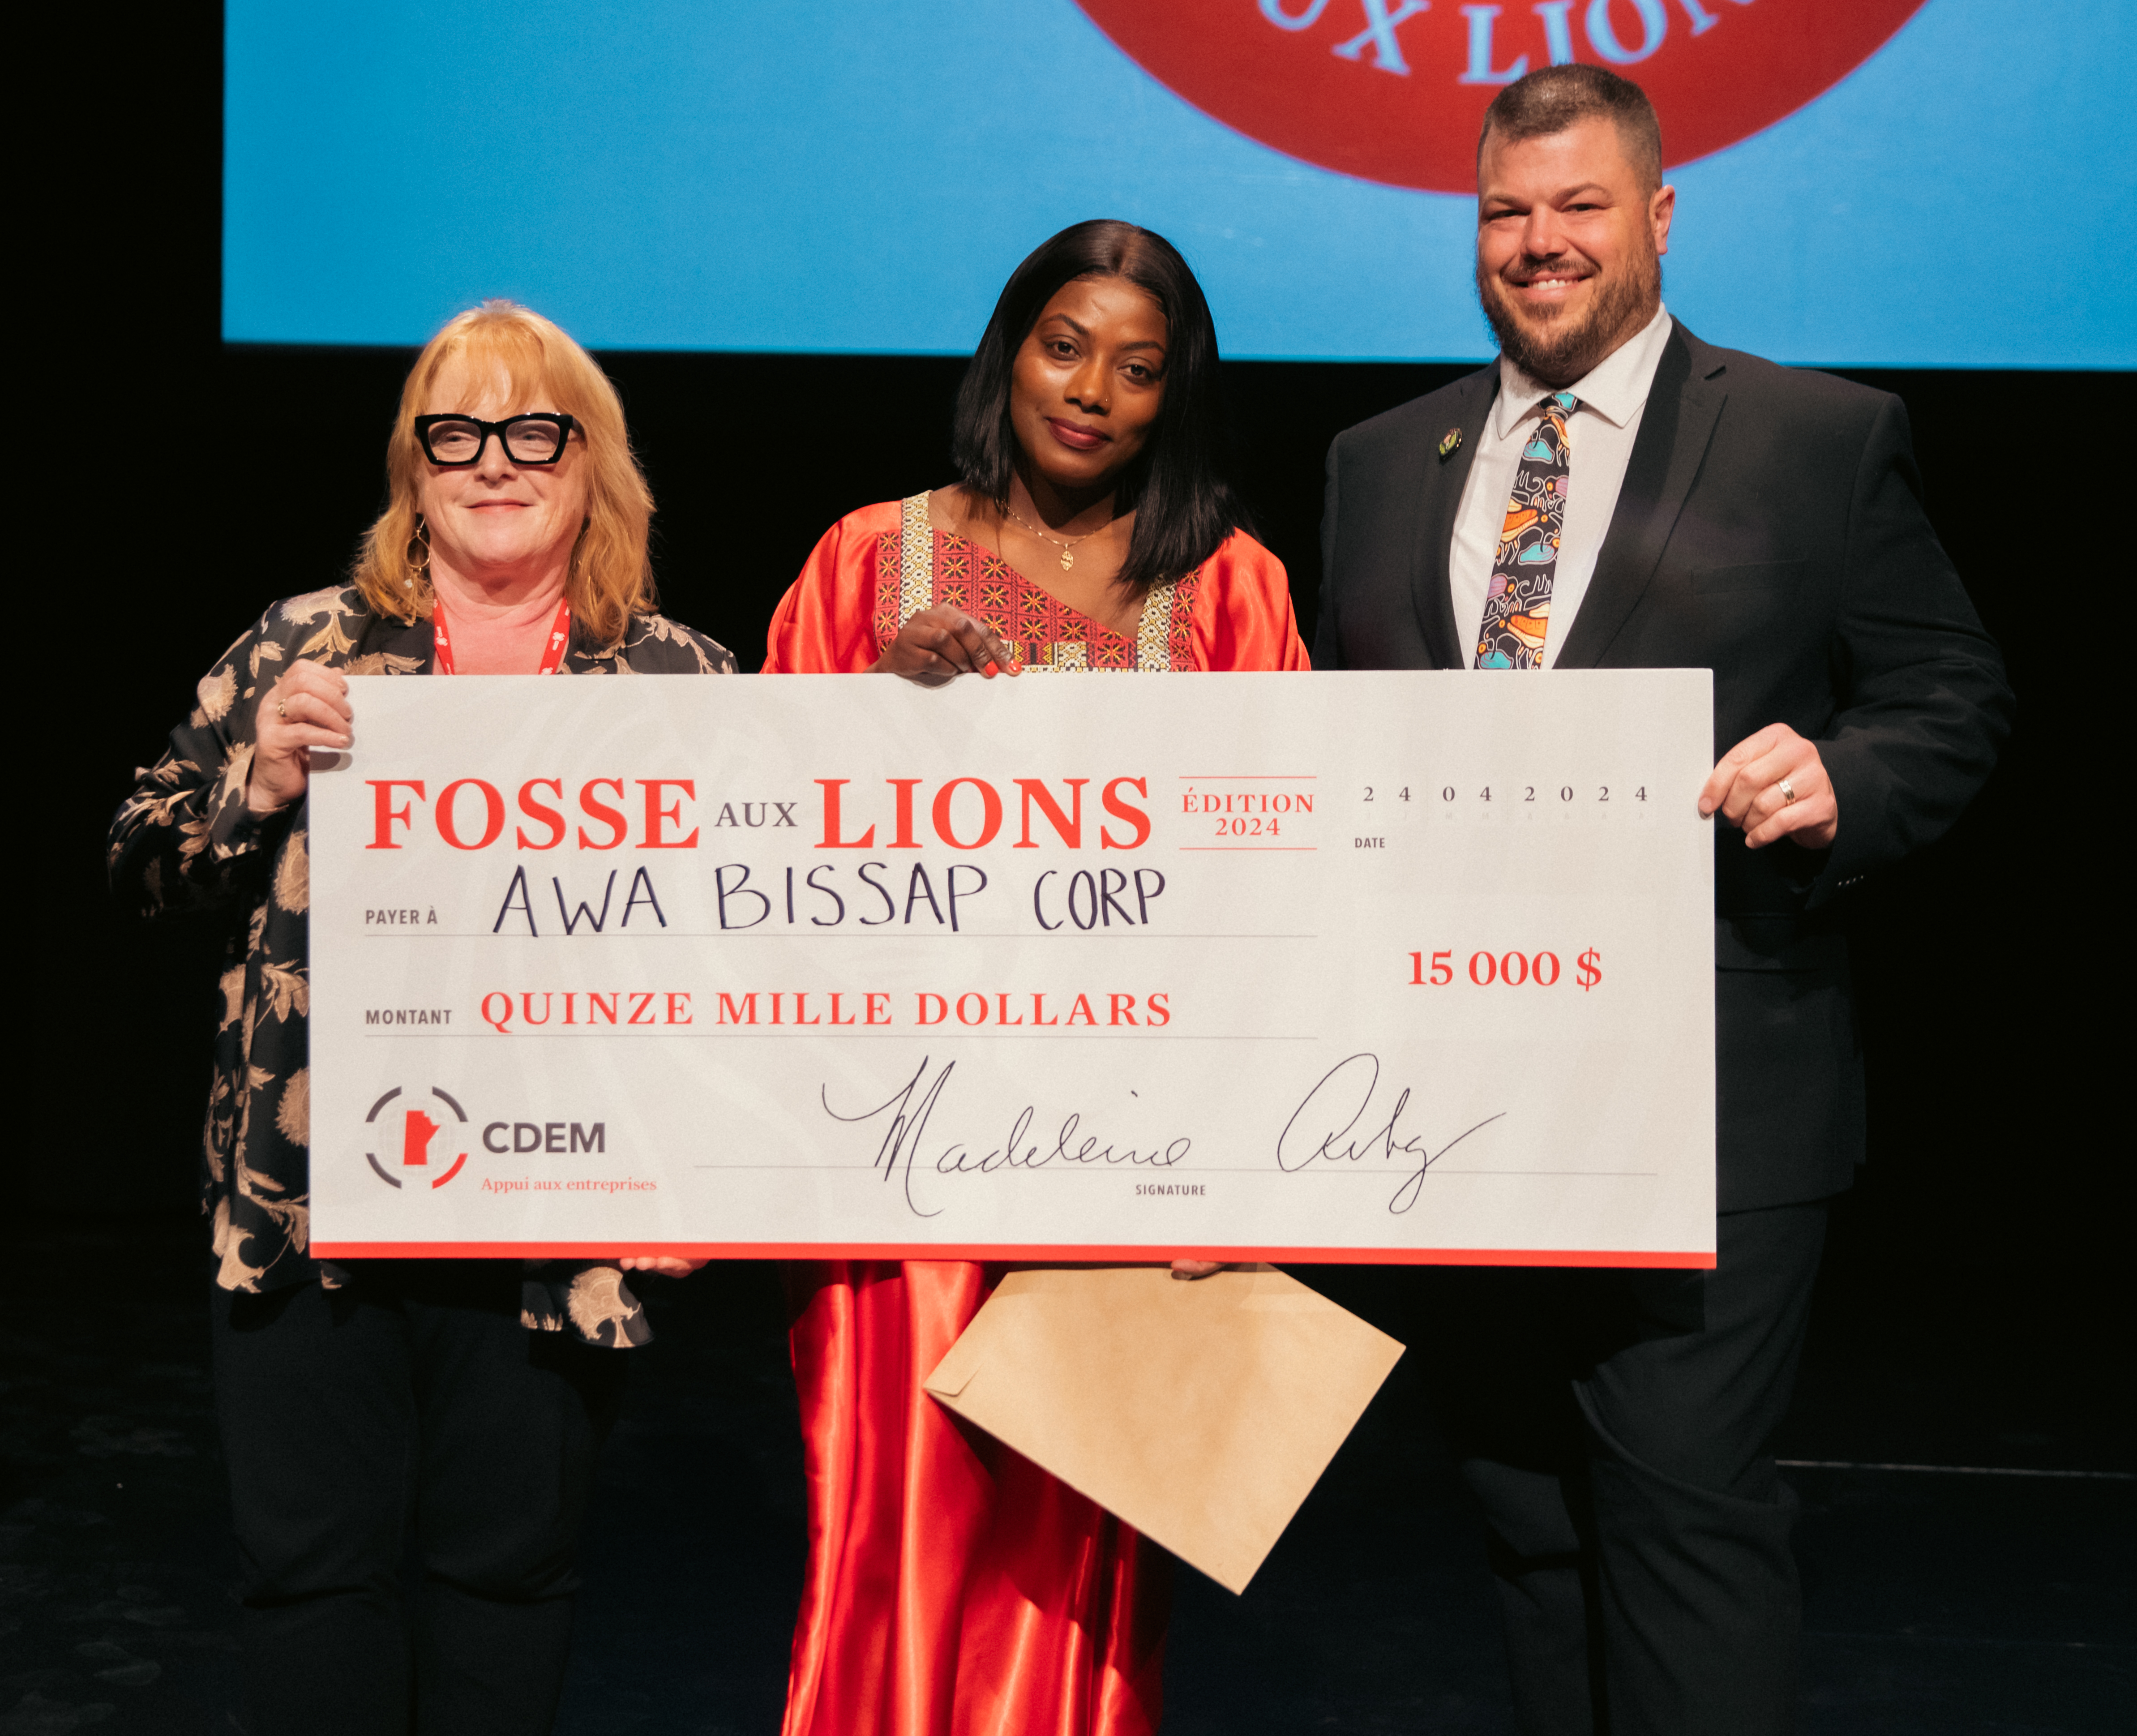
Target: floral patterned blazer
[[185, 839]]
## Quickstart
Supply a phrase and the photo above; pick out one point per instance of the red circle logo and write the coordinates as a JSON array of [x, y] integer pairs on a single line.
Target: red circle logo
[[1394, 91]]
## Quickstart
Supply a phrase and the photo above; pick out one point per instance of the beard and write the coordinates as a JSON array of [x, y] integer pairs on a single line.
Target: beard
[[1557, 348]]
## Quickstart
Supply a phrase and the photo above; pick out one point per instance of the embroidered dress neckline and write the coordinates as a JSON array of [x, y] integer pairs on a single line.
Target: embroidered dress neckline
[[921, 565], [1097, 628], [1051, 635], [1096, 625]]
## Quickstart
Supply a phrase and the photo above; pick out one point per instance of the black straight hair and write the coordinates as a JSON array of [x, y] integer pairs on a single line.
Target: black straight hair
[[1183, 505]]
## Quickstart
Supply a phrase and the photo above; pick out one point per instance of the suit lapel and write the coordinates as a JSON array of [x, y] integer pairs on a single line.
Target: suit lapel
[[1439, 499], [1675, 430]]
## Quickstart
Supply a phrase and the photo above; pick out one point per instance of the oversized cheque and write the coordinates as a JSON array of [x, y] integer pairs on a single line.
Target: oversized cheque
[[1366, 966]]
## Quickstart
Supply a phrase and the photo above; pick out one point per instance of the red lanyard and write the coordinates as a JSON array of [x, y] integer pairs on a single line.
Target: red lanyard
[[560, 636]]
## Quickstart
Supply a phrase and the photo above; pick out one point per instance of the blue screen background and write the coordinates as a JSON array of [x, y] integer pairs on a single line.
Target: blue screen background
[[747, 176]]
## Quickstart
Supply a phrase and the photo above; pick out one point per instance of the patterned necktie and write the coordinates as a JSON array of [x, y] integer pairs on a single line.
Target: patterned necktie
[[1517, 610]]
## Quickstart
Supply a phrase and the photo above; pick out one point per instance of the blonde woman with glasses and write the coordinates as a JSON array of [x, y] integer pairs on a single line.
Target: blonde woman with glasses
[[464, 1398]]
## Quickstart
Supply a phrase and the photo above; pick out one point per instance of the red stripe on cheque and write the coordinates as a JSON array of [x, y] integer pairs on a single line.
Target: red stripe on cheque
[[997, 1250]]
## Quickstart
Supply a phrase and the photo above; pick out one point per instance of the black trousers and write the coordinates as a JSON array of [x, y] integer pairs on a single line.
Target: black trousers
[[407, 1422], [1614, 1428]]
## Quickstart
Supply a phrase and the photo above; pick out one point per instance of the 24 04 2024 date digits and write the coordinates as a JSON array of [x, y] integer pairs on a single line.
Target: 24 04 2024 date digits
[[1523, 794], [1515, 969]]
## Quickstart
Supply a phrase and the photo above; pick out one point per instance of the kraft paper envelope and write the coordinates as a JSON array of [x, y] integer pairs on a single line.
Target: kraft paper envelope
[[1201, 1413]]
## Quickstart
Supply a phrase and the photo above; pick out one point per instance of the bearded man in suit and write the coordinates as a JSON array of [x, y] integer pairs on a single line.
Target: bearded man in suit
[[1614, 493]]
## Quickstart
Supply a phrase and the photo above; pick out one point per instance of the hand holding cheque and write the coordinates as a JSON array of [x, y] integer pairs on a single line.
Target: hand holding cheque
[[939, 644], [1772, 786], [307, 707]]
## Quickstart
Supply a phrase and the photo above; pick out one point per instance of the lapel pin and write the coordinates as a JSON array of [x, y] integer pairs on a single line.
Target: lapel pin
[[1450, 443]]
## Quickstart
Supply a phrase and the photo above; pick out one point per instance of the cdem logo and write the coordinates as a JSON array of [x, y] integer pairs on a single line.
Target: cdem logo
[[428, 1138]]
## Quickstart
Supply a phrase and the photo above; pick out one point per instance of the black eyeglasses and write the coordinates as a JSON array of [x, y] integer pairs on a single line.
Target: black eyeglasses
[[458, 439]]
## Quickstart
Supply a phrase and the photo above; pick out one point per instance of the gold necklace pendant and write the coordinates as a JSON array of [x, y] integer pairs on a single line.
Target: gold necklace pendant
[[1068, 558]]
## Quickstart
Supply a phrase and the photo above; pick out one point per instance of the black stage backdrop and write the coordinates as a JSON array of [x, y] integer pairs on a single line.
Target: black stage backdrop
[[1969, 1304]]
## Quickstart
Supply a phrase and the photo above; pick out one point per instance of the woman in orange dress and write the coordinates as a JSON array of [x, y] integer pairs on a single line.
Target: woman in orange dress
[[954, 1589]]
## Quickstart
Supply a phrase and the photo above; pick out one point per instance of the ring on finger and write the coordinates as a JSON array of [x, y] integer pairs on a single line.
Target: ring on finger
[[282, 709], [1788, 792]]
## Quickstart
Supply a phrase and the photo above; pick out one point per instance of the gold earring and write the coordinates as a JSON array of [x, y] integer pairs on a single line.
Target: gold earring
[[417, 554]]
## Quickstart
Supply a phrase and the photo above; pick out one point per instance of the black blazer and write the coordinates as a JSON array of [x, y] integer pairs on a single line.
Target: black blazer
[[1770, 529]]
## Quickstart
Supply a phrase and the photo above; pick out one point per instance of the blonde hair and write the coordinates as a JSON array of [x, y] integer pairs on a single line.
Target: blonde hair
[[612, 576]]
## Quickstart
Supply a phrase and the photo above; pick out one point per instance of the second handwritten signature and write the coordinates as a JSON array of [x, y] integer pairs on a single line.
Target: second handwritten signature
[[1337, 1123]]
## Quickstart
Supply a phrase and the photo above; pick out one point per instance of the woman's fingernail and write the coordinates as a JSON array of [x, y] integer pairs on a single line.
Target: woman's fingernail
[[991, 669]]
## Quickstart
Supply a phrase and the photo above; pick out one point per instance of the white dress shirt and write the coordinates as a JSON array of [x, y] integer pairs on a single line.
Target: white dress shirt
[[1599, 438]]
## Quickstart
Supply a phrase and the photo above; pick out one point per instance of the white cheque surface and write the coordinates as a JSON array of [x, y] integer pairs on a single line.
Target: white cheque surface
[[1364, 965]]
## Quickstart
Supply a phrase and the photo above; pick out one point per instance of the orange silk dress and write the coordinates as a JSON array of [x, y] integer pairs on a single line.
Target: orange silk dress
[[954, 1589]]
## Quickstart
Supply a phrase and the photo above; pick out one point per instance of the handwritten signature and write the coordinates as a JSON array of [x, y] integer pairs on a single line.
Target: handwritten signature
[[1334, 1109], [914, 1103]]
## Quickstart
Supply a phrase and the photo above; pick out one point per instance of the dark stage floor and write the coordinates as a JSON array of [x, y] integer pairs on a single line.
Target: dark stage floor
[[1938, 1603]]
